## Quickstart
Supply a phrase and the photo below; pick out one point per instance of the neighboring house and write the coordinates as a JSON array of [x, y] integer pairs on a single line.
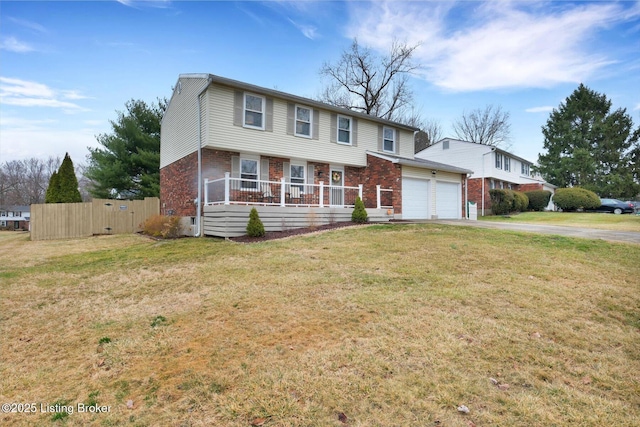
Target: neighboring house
[[227, 146], [15, 217], [491, 166]]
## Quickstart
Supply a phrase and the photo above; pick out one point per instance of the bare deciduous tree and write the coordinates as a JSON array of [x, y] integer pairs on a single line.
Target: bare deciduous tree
[[24, 182], [488, 126], [362, 81]]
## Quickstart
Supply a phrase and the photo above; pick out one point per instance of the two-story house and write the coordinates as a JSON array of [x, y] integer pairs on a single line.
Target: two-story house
[[491, 166], [228, 146], [15, 217]]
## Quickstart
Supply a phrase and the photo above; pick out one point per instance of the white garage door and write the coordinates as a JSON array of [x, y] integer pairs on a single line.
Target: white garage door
[[415, 198], [448, 204]]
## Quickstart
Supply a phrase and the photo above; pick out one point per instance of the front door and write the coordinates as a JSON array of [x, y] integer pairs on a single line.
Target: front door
[[336, 186]]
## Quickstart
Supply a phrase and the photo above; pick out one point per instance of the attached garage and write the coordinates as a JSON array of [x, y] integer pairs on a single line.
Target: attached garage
[[448, 200], [415, 198]]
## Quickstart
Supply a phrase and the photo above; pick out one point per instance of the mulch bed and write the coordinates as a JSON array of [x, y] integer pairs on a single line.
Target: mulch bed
[[273, 235]]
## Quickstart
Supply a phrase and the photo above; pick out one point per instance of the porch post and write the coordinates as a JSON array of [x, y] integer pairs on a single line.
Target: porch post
[[282, 191], [206, 191], [360, 191], [226, 187], [321, 194], [378, 196]]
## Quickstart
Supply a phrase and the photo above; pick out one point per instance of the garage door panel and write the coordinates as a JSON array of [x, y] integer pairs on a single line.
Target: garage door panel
[[415, 198], [448, 200]]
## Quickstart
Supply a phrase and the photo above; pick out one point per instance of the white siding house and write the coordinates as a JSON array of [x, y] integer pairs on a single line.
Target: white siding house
[[492, 168]]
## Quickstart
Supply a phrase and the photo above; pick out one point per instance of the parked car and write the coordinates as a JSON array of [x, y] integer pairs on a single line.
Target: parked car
[[615, 206], [636, 205]]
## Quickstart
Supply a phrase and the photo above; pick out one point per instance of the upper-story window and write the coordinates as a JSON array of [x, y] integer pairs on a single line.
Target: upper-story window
[[389, 140], [445, 145], [507, 163], [304, 117], [524, 168], [344, 130], [254, 111], [498, 161]]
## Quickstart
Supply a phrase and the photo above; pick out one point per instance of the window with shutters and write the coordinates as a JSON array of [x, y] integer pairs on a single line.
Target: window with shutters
[[297, 175], [249, 171], [389, 140], [344, 130], [254, 111], [304, 118]]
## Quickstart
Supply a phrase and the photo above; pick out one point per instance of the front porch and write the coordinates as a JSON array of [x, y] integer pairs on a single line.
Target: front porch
[[283, 205]]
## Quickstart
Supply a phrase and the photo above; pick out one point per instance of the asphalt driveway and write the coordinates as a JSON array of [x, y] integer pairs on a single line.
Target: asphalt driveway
[[586, 233]]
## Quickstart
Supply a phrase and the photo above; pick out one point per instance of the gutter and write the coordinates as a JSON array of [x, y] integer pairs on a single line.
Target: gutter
[[199, 198]]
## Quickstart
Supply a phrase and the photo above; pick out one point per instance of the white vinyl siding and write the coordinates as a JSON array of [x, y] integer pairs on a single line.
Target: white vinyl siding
[[179, 133]]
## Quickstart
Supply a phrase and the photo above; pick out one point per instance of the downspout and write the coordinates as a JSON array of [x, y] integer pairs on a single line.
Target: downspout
[[488, 152], [466, 196], [199, 199]]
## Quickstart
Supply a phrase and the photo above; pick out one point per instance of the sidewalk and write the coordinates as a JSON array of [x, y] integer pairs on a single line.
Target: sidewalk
[[586, 233]]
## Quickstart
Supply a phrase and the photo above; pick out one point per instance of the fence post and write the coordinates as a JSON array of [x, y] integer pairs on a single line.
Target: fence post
[[282, 191], [321, 194], [378, 196], [226, 187]]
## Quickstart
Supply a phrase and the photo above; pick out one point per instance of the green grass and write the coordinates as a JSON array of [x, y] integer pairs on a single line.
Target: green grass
[[574, 219], [390, 325]]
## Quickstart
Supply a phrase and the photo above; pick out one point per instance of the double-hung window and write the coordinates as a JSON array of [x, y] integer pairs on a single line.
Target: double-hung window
[[297, 176], [249, 173], [304, 117], [498, 161], [389, 140], [507, 163], [525, 169], [344, 130], [254, 111]]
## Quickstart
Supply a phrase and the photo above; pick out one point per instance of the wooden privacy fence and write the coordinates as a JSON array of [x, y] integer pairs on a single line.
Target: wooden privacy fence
[[101, 216]]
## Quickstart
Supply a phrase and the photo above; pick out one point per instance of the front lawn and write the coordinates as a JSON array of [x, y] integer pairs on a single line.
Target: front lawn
[[574, 219], [382, 325]]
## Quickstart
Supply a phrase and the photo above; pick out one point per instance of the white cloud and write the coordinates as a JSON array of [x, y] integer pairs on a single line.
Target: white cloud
[[12, 44], [29, 24], [637, 107], [23, 93], [309, 31], [499, 44], [545, 109]]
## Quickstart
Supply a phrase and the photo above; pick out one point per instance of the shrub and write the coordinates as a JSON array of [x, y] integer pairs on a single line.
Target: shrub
[[571, 199], [501, 201], [359, 214], [255, 228], [538, 199], [520, 202], [504, 201], [162, 226]]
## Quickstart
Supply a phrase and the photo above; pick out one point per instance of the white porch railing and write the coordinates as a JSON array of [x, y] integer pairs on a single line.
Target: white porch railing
[[229, 190]]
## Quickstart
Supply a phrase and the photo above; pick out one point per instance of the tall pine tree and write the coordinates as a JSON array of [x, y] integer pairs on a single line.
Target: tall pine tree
[[590, 146], [128, 163]]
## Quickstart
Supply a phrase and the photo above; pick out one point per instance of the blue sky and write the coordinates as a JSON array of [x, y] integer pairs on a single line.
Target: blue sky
[[67, 67]]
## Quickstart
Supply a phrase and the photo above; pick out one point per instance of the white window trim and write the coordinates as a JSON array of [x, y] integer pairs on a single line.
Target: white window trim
[[498, 163], [244, 111], [304, 174], [350, 130], [295, 121], [393, 150], [253, 159]]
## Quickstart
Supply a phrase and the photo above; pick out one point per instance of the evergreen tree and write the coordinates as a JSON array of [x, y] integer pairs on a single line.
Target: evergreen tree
[[68, 183], [52, 190], [63, 185], [589, 145], [128, 163]]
